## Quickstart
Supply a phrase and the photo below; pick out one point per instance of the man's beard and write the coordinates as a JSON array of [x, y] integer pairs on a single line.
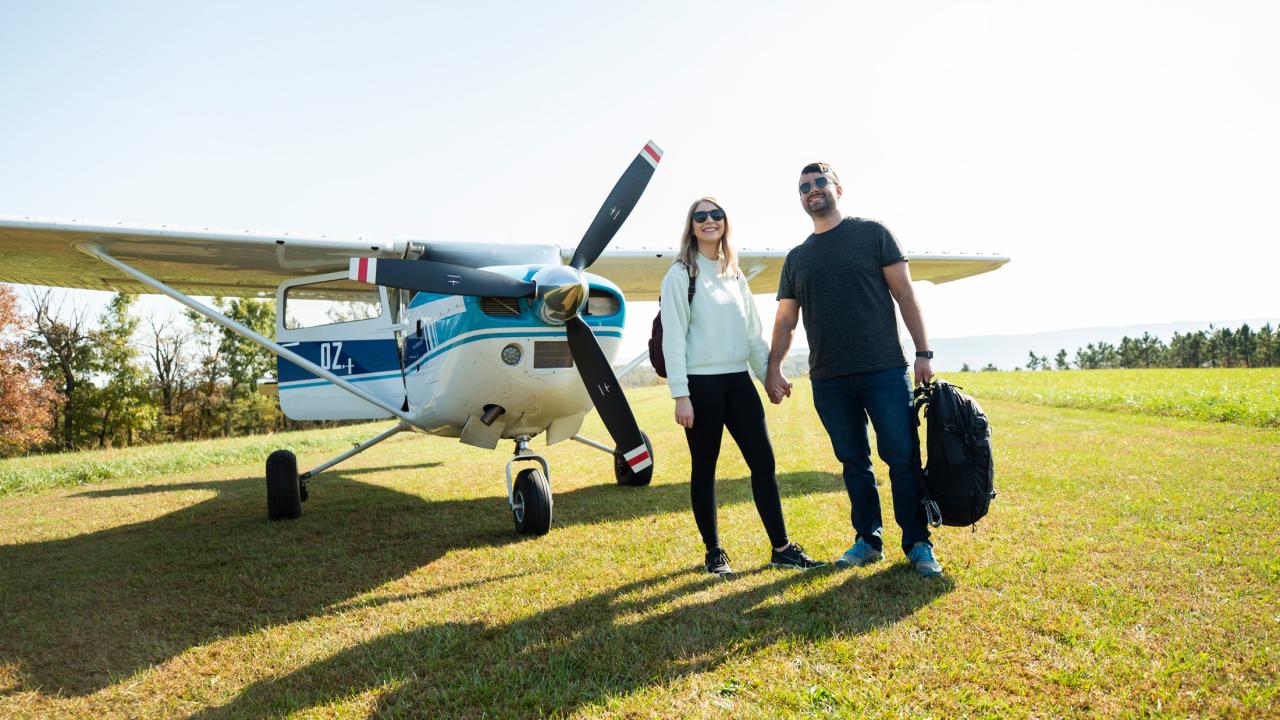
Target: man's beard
[[828, 207]]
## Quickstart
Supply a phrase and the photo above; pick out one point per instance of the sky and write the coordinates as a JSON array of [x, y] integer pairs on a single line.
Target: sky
[[1125, 155]]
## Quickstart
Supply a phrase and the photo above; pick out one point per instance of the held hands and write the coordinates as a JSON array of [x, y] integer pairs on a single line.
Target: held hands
[[684, 412], [777, 386], [924, 370]]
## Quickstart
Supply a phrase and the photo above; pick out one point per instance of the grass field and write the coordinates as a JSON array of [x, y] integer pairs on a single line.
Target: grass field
[[1245, 396], [1127, 569]]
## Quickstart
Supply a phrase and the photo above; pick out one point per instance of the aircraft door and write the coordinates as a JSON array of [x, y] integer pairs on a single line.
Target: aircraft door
[[349, 328]]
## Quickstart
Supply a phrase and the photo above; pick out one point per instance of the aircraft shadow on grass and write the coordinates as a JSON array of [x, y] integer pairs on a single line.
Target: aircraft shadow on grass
[[117, 601], [591, 649]]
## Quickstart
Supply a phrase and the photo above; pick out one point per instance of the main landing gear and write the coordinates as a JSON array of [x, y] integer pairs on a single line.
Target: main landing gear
[[528, 490], [285, 492]]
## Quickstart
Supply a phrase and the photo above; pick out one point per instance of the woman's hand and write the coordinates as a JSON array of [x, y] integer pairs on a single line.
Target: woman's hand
[[684, 412]]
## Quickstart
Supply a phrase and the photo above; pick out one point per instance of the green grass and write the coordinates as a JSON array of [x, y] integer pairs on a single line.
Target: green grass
[[1244, 396], [1128, 569], [22, 476]]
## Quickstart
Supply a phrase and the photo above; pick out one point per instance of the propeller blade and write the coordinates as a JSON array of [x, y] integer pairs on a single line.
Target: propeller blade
[[617, 206], [437, 277], [606, 394]]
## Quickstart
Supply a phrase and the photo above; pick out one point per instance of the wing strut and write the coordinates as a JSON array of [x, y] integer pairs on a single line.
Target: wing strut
[[401, 427], [95, 250]]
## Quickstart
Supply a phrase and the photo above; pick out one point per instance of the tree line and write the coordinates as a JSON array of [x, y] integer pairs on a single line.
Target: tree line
[[67, 383], [1219, 347]]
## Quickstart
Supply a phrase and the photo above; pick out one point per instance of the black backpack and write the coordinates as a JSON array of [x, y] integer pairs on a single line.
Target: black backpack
[[656, 359], [959, 477]]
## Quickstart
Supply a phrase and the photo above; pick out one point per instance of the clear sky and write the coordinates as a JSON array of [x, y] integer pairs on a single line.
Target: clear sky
[[1125, 155]]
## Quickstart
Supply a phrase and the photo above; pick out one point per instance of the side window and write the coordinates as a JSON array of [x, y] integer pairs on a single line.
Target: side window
[[329, 303]]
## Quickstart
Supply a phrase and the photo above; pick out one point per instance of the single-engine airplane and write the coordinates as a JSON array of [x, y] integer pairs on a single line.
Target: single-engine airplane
[[479, 341]]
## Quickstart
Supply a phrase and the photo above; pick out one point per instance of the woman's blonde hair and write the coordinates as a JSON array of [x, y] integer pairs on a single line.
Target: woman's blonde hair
[[689, 242]]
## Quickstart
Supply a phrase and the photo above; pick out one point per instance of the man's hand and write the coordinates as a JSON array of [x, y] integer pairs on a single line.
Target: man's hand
[[684, 412], [924, 370], [777, 387]]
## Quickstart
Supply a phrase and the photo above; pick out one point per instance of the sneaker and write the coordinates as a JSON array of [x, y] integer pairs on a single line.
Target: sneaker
[[718, 562], [860, 554], [921, 557], [792, 556]]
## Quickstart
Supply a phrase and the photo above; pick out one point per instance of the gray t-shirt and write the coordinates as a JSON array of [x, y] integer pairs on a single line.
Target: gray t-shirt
[[838, 278]]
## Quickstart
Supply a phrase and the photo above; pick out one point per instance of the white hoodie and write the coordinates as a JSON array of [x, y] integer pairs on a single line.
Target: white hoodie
[[719, 333]]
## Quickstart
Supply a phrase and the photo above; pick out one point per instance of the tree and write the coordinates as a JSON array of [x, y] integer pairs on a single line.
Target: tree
[[246, 362], [26, 400], [1060, 362], [124, 406], [989, 367], [1267, 351], [65, 349], [1189, 350], [167, 353], [966, 368]]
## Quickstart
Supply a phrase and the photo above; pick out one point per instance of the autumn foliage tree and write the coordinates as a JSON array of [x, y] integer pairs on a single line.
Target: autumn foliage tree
[[26, 402]]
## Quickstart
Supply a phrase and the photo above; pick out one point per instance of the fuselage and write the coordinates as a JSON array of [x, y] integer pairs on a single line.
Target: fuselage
[[446, 358]]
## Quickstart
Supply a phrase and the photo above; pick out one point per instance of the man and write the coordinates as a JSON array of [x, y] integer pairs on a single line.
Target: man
[[846, 277]]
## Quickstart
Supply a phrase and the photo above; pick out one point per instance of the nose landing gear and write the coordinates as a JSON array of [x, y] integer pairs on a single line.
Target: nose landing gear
[[530, 494]]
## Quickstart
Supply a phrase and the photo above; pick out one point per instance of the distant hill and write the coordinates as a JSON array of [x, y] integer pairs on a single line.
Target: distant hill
[[1010, 351], [1006, 352]]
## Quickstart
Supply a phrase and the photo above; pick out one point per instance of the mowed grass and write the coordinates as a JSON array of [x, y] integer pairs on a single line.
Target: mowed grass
[[1248, 396], [1128, 569]]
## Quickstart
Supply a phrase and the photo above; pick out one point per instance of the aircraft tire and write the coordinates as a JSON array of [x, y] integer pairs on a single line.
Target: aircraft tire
[[532, 498], [622, 472], [284, 494]]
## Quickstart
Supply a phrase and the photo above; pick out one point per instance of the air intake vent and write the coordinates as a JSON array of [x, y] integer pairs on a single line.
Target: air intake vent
[[551, 355], [602, 304], [500, 307]]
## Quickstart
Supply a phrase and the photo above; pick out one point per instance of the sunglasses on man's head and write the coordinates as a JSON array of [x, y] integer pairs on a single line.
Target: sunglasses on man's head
[[819, 182], [702, 215]]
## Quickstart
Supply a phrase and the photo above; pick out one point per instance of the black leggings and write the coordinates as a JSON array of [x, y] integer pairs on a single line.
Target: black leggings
[[730, 401]]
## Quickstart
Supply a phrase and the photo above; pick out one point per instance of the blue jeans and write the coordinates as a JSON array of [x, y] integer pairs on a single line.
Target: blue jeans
[[844, 403]]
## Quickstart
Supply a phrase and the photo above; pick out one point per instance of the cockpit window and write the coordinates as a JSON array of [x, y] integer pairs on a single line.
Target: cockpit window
[[330, 303]]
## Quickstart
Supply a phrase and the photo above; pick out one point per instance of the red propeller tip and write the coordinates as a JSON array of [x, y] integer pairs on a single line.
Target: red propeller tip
[[652, 153]]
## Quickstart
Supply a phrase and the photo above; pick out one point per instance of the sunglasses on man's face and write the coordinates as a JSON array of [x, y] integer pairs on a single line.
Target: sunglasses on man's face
[[702, 215], [819, 183]]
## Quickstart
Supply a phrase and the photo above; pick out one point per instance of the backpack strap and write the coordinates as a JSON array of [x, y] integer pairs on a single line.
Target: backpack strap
[[692, 287], [923, 399]]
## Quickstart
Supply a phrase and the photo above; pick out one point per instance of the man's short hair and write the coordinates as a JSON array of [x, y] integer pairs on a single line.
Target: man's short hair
[[821, 167]]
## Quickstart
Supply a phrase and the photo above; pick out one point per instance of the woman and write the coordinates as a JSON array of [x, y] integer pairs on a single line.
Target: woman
[[708, 345]]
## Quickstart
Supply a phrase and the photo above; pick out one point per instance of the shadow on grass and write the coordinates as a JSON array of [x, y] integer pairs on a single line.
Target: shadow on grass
[[84, 612], [605, 645], [221, 484]]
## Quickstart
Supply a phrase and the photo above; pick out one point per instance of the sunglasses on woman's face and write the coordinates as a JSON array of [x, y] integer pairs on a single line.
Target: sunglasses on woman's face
[[702, 215], [819, 182]]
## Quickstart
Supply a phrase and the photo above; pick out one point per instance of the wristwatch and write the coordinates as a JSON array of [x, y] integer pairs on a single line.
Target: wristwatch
[[928, 354]]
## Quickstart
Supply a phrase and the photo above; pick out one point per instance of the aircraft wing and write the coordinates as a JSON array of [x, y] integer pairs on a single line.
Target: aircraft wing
[[36, 251], [639, 273]]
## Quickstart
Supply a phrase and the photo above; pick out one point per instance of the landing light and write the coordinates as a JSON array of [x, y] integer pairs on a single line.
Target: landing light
[[511, 354]]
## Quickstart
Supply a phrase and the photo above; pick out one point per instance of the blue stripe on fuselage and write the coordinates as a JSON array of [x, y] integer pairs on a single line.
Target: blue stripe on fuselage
[[354, 360], [378, 359]]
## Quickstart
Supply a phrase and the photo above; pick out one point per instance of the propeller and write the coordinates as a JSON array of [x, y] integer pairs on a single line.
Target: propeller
[[606, 394], [617, 206], [562, 292], [593, 367], [437, 277]]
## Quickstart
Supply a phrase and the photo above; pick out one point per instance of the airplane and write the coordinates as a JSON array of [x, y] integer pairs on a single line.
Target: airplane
[[483, 342]]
